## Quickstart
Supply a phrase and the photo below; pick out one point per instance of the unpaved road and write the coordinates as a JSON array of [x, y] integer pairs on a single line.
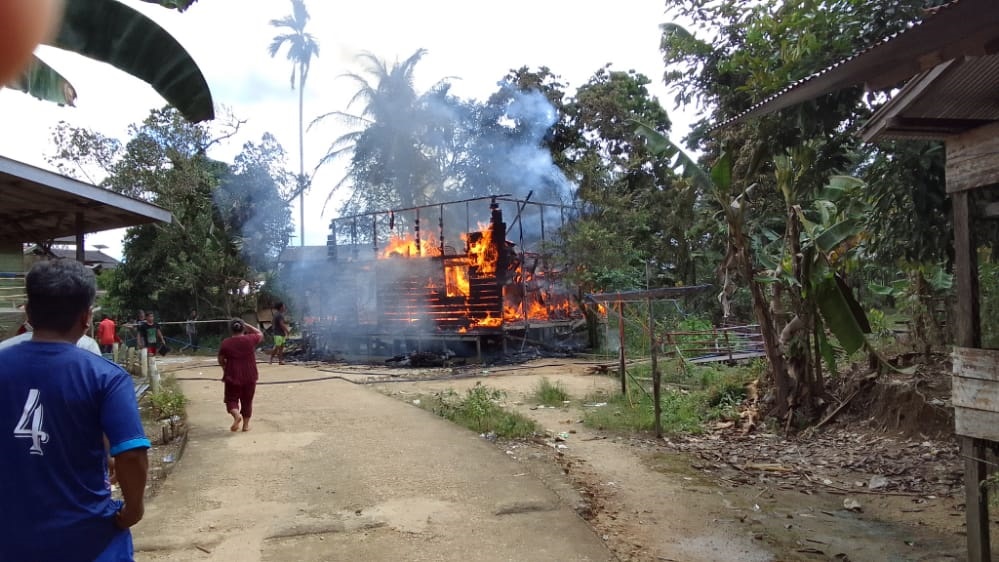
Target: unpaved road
[[335, 471], [652, 505]]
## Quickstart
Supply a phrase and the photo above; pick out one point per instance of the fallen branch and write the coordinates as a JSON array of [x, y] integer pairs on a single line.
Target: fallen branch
[[833, 414]]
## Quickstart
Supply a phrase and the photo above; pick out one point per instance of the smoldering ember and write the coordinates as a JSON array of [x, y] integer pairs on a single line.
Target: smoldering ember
[[507, 313]]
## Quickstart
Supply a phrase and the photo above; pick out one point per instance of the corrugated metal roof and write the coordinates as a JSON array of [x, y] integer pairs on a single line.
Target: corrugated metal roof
[[36, 205], [952, 98], [956, 29]]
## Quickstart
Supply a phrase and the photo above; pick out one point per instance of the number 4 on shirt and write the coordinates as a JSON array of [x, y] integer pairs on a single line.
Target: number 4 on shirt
[[30, 424]]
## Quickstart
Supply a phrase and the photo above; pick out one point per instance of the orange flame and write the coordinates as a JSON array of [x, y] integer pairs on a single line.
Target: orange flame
[[456, 279], [406, 247], [488, 322], [482, 252]]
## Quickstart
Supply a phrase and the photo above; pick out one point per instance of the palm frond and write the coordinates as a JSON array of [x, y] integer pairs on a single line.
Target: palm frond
[[111, 32], [45, 83]]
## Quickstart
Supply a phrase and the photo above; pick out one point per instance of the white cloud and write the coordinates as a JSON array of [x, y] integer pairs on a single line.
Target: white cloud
[[477, 43]]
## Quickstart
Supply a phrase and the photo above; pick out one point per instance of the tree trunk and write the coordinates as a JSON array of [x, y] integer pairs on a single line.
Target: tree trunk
[[301, 157], [761, 309]]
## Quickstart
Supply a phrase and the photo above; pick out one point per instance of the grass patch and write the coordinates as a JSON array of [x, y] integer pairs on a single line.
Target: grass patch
[[550, 394], [168, 401], [701, 396], [479, 410]]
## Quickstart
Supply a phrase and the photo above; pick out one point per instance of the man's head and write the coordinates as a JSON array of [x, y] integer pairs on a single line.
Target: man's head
[[194, 314], [149, 318], [60, 294], [141, 315], [236, 326], [279, 306]]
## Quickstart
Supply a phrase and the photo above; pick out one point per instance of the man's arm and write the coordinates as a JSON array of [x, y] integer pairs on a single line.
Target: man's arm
[[131, 468]]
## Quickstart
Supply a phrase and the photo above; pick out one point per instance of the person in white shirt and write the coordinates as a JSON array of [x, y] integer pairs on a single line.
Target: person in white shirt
[[85, 342]]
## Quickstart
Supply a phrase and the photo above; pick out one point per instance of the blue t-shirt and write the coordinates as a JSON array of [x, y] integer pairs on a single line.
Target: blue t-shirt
[[56, 401]]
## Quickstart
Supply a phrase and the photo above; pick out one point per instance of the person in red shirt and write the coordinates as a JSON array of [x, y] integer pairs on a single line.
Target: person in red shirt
[[238, 358], [106, 332]]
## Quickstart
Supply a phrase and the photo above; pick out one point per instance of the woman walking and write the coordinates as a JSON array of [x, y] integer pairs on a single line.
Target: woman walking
[[238, 357]]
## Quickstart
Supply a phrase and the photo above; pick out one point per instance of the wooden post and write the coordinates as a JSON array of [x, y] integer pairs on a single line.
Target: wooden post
[[656, 382], [976, 499], [620, 347], [81, 254], [967, 333]]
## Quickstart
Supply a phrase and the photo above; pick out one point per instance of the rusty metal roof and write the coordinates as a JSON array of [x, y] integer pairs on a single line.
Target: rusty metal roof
[[952, 98], [958, 29], [37, 205]]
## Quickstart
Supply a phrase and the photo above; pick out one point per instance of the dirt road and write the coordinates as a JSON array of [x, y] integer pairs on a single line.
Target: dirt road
[[335, 471]]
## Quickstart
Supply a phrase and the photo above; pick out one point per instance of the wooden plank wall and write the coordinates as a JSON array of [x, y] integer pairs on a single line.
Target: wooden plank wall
[[975, 393], [973, 159]]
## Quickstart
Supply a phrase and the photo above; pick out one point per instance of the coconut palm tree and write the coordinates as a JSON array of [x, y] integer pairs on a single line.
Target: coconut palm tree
[[302, 46], [111, 32], [389, 145]]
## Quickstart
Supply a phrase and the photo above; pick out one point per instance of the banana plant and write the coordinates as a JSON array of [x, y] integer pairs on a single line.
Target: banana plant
[[111, 32], [717, 182]]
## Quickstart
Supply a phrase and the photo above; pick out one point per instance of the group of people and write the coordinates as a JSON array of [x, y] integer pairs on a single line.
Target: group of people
[[75, 422]]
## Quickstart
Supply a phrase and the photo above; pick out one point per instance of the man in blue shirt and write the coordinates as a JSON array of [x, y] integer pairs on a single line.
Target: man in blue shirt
[[68, 421]]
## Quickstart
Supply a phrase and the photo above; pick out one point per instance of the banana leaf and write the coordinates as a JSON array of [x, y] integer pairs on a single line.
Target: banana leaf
[[111, 32], [842, 313], [832, 237], [45, 83], [661, 145], [179, 5], [826, 349], [721, 172]]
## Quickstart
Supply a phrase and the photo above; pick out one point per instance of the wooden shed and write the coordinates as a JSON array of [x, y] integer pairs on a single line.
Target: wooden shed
[[951, 61]]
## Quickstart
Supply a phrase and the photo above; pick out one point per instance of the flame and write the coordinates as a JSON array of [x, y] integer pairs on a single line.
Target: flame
[[537, 311], [602, 309], [456, 279], [525, 285], [406, 247], [482, 252], [488, 322]]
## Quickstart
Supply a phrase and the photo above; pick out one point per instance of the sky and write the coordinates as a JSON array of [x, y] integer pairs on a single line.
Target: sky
[[474, 44]]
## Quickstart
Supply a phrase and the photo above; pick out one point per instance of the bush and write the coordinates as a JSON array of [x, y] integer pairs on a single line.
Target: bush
[[479, 411], [550, 394], [707, 394], [168, 401]]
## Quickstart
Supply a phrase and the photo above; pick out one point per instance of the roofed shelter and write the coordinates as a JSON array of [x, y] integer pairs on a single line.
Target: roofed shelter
[[951, 61], [39, 206]]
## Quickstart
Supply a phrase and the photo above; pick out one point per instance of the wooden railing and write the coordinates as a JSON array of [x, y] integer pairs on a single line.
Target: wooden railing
[[727, 343]]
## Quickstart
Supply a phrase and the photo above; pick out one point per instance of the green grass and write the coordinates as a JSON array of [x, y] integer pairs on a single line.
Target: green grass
[[550, 394], [168, 401], [703, 395], [478, 409]]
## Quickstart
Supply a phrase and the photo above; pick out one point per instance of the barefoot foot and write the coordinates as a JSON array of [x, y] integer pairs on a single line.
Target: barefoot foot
[[236, 420]]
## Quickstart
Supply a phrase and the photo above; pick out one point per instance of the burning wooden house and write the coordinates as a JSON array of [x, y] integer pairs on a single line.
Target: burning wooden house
[[405, 287]]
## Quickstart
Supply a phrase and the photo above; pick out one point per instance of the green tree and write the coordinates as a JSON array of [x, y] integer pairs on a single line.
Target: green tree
[[229, 221], [111, 32], [302, 46], [626, 187], [756, 50]]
